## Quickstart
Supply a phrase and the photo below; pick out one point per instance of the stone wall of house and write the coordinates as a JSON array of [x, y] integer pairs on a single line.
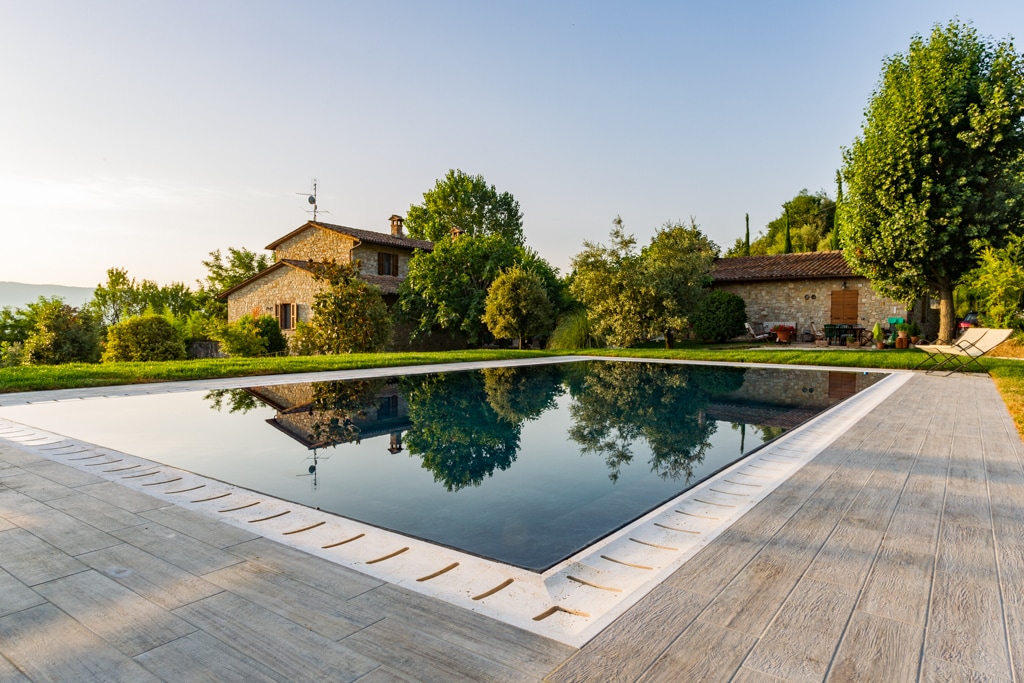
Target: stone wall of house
[[288, 395], [317, 244], [367, 256], [807, 301], [286, 285]]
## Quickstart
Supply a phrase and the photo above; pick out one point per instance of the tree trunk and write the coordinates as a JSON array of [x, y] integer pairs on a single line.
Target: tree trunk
[[946, 317], [668, 339]]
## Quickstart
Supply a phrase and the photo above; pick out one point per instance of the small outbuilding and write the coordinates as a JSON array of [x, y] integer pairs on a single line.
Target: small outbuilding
[[811, 287]]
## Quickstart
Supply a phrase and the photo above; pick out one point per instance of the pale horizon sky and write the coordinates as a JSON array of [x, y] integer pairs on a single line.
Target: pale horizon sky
[[145, 135]]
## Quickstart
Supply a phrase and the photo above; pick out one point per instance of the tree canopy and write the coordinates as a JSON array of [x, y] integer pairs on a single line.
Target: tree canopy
[[632, 296], [349, 313], [517, 306], [938, 170], [811, 218], [466, 202], [223, 274], [447, 287]]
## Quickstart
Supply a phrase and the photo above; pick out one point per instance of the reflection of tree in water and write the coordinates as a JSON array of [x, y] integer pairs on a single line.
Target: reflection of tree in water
[[519, 394], [616, 404], [238, 400], [337, 405], [466, 425]]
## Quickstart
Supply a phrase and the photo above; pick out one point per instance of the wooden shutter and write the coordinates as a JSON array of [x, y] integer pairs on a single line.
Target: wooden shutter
[[277, 314], [294, 316], [844, 307], [394, 264], [380, 263]]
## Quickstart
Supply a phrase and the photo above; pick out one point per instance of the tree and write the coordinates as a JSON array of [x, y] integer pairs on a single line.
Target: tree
[[349, 314], [468, 203], [62, 334], [447, 287], [677, 266], [631, 296], [938, 171], [517, 306], [805, 222], [122, 297], [997, 284], [608, 281]]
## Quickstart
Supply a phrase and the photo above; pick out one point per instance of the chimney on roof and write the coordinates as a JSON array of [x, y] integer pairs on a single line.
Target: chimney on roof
[[396, 225], [455, 232]]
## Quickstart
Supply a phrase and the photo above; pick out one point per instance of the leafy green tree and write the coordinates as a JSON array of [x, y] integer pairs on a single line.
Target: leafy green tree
[[349, 314], [997, 284], [938, 171], [632, 296], [517, 306], [16, 324], [806, 218], [116, 298], [609, 282], [468, 203], [720, 316], [143, 338], [676, 265], [521, 394], [62, 334], [447, 287]]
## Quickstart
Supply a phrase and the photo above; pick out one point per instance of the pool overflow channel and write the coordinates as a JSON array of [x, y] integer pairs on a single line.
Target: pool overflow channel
[[571, 600]]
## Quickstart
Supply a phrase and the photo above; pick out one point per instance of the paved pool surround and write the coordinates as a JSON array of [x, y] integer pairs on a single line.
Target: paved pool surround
[[570, 603]]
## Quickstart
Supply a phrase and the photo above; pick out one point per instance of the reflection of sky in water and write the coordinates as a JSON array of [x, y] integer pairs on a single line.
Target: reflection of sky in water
[[552, 501]]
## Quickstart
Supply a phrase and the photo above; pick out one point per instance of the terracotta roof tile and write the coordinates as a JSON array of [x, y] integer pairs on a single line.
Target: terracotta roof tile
[[365, 236], [804, 266]]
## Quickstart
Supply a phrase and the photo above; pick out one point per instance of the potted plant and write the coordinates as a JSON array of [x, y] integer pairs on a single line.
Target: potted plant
[[876, 334], [903, 330], [915, 332], [783, 332]]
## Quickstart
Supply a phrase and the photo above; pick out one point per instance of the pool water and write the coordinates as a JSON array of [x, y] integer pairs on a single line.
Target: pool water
[[524, 465]]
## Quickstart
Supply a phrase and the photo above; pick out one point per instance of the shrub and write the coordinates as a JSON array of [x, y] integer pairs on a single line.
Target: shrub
[[11, 354], [719, 316], [143, 338], [249, 336], [62, 334], [349, 314]]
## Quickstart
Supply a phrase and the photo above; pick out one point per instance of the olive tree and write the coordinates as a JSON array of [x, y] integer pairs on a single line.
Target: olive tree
[[938, 170], [517, 306]]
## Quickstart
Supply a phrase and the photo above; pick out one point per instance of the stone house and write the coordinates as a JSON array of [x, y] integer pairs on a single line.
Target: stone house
[[286, 289], [811, 287]]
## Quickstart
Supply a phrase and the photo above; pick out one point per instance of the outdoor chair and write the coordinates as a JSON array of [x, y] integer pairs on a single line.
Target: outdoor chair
[[757, 331], [963, 353], [816, 334]]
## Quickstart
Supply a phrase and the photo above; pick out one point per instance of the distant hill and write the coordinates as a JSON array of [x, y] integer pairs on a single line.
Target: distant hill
[[17, 294]]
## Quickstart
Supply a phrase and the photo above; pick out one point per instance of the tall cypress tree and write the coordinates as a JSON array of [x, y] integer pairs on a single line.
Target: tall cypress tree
[[746, 244], [788, 246]]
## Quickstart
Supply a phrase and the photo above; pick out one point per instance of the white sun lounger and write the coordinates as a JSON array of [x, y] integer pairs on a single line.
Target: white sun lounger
[[964, 352]]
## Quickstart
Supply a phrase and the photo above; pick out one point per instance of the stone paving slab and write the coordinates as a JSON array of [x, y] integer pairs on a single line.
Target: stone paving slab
[[894, 555]]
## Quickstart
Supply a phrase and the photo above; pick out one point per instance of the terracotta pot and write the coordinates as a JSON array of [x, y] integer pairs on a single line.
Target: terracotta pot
[[783, 335], [914, 340], [901, 334], [879, 345]]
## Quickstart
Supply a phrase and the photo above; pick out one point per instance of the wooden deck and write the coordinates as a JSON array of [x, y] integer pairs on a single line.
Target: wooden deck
[[897, 554]]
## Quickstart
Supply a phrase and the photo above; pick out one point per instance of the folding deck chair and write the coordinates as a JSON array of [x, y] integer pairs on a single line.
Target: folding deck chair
[[757, 331], [974, 343]]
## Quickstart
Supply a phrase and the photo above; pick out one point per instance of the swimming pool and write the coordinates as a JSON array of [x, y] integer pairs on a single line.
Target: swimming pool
[[523, 465]]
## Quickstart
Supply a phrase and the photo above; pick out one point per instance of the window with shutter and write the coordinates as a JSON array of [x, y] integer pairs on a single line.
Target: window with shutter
[[287, 315]]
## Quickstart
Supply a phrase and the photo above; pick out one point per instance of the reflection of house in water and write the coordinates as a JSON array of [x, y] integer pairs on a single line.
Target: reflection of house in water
[[314, 424], [786, 400]]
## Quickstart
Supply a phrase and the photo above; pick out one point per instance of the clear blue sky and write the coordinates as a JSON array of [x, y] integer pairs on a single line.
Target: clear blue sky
[[143, 135]]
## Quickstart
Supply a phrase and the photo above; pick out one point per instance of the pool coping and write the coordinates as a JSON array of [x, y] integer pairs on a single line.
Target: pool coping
[[570, 603]]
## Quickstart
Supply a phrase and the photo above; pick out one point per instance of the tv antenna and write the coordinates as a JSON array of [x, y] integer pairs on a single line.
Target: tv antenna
[[311, 198]]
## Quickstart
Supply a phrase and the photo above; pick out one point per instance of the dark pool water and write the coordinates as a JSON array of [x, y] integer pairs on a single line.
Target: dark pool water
[[523, 465]]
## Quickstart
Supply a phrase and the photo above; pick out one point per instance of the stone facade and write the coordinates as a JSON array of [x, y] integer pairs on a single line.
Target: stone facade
[[290, 281], [284, 285], [807, 301], [799, 388]]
